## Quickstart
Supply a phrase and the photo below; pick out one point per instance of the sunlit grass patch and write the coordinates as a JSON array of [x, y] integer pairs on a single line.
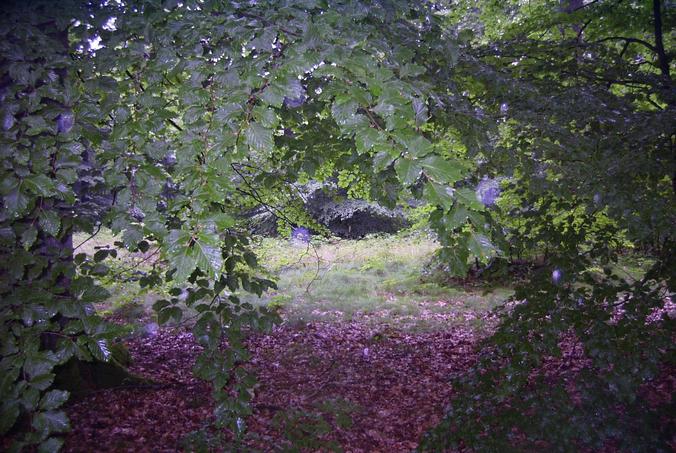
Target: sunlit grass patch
[[377, 279], [128, 302]]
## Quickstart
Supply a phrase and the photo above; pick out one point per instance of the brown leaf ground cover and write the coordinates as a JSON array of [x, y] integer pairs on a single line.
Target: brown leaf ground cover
[[392, 384], [364, 338]]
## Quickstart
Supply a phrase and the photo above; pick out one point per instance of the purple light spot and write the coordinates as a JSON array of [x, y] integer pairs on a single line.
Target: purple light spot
[[65, 122], [294, 103], [488, 191], [557, 275], [296, 95], [300, 235], [151, 329], [8, 121]]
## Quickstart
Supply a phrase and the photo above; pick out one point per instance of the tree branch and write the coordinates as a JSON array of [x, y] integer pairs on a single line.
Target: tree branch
[[628, 40], [662, 57], [584, 6], [256, 196], [173, 123]]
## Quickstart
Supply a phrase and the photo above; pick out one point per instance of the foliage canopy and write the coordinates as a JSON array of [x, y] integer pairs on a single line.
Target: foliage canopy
[[162, 119]]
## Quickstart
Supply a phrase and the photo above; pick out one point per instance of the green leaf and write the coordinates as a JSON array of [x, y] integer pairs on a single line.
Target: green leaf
[[160, 304], [185, 264], [265, 116], [99, 269], [438, 194], [51, 445], [169, 313], [43, 381], [100, 255], [259, 137], [40, 185], [420, 111], [193, 114], [99, 350], [407, 170], [54, 399], [39, 363], [16, 202], [222, 221], [411, 70], [384, 109], [480, 246], [417, 146], [442, 170], [251, 259], [366, 138], [30, 399], [207, 331], [467, 197], [457, 259], [273, 95], [228, 113], [94, 293], [50, 222], [28, 237], [46, 423], [207, 252], [143, 246], [9, 412], [344, 110], [456, 218], [131, 236]]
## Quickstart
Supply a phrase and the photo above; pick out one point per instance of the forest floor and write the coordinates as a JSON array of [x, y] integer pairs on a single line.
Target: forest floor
[[369, 340], [362, 359], [387, 387]]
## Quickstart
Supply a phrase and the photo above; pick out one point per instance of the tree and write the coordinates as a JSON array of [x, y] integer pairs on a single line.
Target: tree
[[183, 110], [179, 110], [584, 101]]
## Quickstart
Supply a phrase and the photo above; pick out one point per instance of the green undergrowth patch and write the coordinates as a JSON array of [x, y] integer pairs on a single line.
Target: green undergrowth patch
[[128, 302], [378, 279]]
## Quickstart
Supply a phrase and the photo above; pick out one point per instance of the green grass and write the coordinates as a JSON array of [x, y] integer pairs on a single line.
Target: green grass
[[376, 279], [632, 266], [128, 302]]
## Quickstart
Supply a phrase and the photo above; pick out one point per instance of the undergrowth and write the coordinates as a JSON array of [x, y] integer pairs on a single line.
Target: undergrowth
[[389, 279]]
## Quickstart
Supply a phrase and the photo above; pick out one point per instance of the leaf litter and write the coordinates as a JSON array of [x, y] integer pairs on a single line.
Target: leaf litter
[[390, 384]]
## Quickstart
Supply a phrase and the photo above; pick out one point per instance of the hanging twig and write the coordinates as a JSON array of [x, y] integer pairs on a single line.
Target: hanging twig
[[98, 229]]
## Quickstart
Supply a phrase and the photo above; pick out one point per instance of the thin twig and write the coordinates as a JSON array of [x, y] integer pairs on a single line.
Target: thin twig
[[98, 229], [137, 264], [256, 196], [307, 288]]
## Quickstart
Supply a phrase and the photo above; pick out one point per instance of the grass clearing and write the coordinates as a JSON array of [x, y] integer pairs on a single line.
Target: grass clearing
[[377, 278], [128, 302]]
